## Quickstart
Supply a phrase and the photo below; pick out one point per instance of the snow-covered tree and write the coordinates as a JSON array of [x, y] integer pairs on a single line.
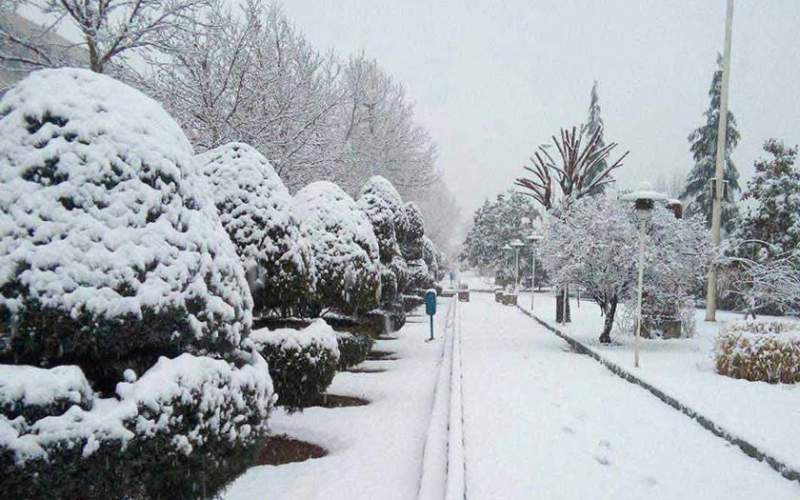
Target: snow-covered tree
[[765, 283], [382, 204], [343, 246], [772, 214], [112, 259], [594, 125], [594, 244], [411, 236], [703, 145], [255, 209], [494, 225], [109, 30], [104, 230]]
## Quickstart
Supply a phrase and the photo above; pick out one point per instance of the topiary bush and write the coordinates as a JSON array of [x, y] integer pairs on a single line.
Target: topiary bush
[[353, 349], [185, 429], [760, 350], [255, 210], [343, 247], [302, 363], [113, 262], [108, 250]]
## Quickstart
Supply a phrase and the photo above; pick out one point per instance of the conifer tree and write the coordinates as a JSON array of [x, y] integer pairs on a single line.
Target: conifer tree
[[594, 124], [703, 145]]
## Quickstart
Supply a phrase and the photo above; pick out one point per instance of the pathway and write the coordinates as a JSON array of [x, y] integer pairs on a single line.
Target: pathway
[[543, 422]]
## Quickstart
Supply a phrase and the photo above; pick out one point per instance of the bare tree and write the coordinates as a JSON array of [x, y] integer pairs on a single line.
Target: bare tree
[[108, 29]]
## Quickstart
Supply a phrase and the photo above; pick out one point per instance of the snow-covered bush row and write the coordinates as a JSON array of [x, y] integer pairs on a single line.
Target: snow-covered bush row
[[108, 250], [35, 393], [184, 429], [255, 209], [353, 348], [764, 350], [343, 247], [302, 363]]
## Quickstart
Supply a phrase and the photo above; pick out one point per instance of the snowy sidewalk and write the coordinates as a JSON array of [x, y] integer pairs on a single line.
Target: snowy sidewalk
[[375, 451], [544, 422]]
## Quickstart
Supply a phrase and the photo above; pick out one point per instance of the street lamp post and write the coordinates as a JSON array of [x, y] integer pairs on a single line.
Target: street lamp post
[[507, 251], [516, 244], [534, 238], [643, 200]]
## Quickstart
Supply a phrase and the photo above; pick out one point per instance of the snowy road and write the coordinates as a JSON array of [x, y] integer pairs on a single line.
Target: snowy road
[[544, 422]]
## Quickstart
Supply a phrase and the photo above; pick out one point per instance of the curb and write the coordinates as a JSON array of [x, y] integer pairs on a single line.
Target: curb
[[748, 448]]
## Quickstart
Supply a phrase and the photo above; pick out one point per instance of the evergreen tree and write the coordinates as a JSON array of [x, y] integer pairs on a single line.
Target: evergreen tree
[[773, 216], [703, 141], [594, 124]]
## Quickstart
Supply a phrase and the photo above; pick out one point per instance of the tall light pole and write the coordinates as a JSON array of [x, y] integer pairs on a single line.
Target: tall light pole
[[516, 244], [507, 251], [533, 238], [722, 136], [643, 200]]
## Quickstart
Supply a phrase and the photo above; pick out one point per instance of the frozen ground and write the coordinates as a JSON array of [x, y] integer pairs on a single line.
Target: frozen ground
[[376, 451], [544, 422], [766, 415]]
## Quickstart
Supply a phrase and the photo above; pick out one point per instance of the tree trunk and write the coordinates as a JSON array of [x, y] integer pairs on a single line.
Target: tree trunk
[[560, 308], [608, 323]]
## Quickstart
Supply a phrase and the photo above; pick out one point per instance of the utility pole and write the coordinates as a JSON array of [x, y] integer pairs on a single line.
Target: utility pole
[[722, 135]]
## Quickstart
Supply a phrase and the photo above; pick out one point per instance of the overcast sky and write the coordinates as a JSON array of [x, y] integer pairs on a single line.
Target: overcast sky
[[491, 80]]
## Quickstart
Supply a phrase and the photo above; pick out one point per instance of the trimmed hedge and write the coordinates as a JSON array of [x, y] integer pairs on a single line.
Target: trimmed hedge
[[302, 363], [184, 430], [353, 349], [760, 350]]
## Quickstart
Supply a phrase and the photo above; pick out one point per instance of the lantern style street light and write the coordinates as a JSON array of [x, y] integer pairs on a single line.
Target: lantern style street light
[[644, 199], [516, 244], [534, 238]]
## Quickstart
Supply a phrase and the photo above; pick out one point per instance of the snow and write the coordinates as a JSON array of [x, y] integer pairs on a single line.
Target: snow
[[100, 211], [31, 386], [317, 333], [150, 406], [542, 420], [764, 414], [254, 205], [375, 451]]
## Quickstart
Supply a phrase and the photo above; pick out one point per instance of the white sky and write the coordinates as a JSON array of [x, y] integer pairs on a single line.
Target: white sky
[[491, 80]]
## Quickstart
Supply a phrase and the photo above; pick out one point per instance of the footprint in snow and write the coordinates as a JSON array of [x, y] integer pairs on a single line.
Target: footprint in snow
[[568, 429], [605, 444], [602, 460], [649, 481]]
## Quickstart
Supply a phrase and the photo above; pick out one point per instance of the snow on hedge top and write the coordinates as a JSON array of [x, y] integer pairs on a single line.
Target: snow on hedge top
[[226, 402], [383, 205], [99, 210], [318, 333], [339, 232], [29, 386], [254, 205]]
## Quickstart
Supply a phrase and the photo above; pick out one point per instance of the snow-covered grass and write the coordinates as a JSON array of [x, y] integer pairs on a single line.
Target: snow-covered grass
[[375, 451], [764, 414], [542, 421]]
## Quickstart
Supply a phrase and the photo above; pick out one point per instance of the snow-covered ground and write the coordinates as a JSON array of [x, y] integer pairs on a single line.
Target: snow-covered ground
[[544, 422], [375, 451], [766, 415]]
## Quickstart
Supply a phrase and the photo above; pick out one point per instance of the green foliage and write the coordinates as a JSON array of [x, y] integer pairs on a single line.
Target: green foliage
[[494, 225], [703, 145], [353, 349]]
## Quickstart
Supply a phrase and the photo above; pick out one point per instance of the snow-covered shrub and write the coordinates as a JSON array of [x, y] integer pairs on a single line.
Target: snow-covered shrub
[[433, 258], [765, 350], [255, 210], [594, 244], [184, 429], [35, 393], [109, 253], [343, 247], [353, 348], [411, 231], [302, 363], [419, 276], [384, 208]]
